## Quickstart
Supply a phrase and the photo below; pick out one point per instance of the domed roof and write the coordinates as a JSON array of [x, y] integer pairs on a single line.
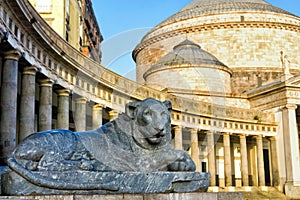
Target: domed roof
[[188, 53], [200, 7]]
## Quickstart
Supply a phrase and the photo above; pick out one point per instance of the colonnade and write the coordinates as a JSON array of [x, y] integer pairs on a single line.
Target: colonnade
[[211, 140], [18, 117], [20, 112]]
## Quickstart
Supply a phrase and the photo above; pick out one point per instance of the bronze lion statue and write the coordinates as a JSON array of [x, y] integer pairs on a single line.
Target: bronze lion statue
[[137, 141]]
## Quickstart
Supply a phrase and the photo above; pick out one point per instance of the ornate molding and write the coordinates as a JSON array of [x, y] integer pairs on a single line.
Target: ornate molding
[[212, 26]]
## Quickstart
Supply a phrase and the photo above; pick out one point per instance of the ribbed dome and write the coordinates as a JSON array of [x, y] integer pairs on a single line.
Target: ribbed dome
[[201, 7], [189, 53]]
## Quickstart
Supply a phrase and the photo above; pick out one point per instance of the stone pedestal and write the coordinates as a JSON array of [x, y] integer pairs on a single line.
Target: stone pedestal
[[211, 158], [27, 104], [178, 138], [8, 103], [195, 148], [63, 109], [80, 114], [45, 109], [104, 183], [244, 161], [260, 161], [97, 116], [227, 159]]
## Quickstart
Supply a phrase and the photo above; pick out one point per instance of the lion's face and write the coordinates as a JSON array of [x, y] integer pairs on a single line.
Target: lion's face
[[152, 122]]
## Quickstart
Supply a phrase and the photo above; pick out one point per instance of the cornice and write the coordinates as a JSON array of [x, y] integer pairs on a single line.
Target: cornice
[[213, 26]]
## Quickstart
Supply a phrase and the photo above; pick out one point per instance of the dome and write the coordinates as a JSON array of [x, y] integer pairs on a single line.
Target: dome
[[202, 7], [246, 35], [192, 67], [187, 53]]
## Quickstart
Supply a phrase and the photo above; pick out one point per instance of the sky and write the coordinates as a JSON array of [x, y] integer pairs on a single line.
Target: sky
[[123, 23]]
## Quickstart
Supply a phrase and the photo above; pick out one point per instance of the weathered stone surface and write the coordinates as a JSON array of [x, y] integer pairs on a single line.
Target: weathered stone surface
[[106, 182], [131, 154], [172, 196]]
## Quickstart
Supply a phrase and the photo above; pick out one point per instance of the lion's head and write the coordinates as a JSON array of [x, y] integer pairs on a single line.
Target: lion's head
[[151, 120]]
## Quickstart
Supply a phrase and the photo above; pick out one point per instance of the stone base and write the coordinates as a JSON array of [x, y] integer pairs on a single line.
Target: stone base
[[291, 191], [171, 196], [104, 183]]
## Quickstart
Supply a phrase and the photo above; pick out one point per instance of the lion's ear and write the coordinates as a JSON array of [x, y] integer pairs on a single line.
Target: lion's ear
[[130, 109], [168, 104]]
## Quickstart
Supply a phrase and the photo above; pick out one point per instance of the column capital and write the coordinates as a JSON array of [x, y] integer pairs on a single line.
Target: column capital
[[46, 82], [290, 106], [30, 70], [98, 106], [81, 100], [14, 54], [210, 132], [258, 137], [194, 130], [63, 92], [226, 133], [242, 135], [272, 138], [178, 127]]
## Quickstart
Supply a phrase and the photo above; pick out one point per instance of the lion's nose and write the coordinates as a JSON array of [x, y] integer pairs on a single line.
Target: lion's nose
[[162, 132]]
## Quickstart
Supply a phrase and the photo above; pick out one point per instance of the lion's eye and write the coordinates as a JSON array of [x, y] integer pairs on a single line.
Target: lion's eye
[[147, 112]]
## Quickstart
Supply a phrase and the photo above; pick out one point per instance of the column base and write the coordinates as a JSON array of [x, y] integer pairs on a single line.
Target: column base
[[292, 191]]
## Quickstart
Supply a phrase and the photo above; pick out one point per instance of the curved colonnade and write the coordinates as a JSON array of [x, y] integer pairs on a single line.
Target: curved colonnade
[[42, 72]]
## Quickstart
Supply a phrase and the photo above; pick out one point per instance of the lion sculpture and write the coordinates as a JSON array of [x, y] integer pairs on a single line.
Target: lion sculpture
[[137, 141]]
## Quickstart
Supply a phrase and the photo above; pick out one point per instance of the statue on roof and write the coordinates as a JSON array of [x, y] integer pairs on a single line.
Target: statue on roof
[[285, 63]]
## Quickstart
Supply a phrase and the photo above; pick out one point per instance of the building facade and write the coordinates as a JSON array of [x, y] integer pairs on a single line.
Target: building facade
[[243, 139], [74, 21]]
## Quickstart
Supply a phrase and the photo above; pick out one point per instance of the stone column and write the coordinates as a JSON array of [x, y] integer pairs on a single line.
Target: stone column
[[211, 157], [195, 148], [63, 109], [260, 161], [8, 103], [178, 138], [97, 116], [27, 104], [80, 114], [244, 160], [291, 144], [45, 109], [113, 114], [227, 159], [274, 161]]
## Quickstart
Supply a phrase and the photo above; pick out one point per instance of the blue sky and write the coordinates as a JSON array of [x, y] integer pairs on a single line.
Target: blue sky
[[124, 22]]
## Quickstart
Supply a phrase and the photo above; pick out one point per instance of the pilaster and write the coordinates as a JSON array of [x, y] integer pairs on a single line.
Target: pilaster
[[291, 144], [27, 104], [178, 138], [227, 159], [63, 108], [211, 157], [97, 115], [80, 114], [8, 103], [260, 161], [195, 148], [244, 161], [45, 108]]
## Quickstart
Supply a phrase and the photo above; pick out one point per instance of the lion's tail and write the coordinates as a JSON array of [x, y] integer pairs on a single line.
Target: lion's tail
[[48, 183]]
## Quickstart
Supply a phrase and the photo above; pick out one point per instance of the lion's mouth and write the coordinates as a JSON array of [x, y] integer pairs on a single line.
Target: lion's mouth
[[156, 138]]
